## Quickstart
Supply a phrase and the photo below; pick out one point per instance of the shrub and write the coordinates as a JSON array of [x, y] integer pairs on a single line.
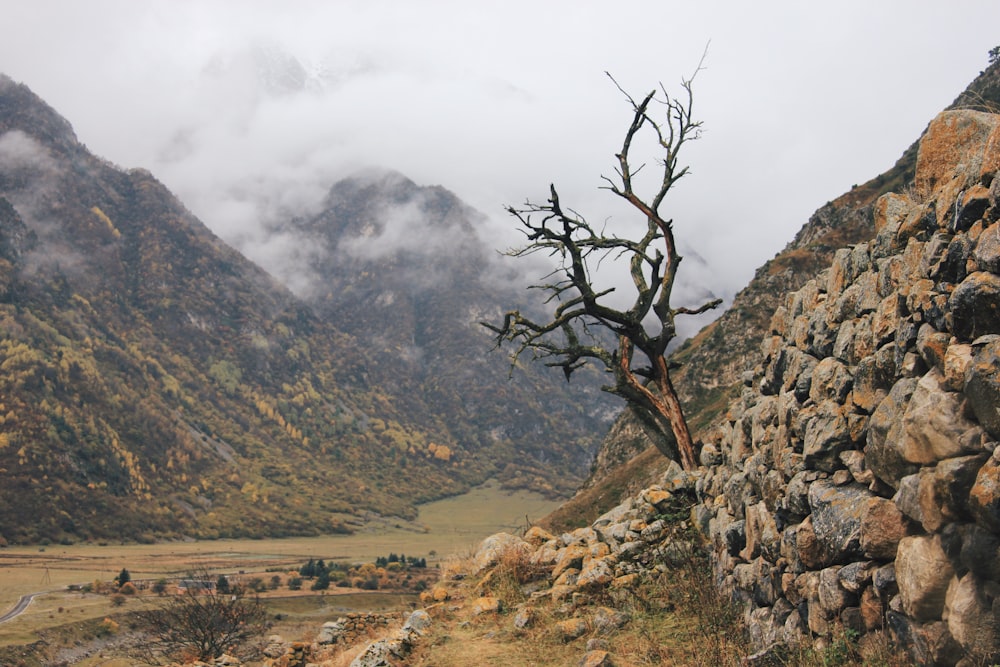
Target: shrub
[[203, 623]]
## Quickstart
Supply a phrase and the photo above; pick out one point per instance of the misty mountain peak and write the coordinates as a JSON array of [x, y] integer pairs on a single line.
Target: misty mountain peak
[[21, 109]]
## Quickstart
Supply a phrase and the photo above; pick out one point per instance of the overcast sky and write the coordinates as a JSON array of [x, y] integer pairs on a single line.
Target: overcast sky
[[495, 100]]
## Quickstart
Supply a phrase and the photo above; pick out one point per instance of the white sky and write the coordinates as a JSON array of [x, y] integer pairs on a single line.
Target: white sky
[[495, 100]]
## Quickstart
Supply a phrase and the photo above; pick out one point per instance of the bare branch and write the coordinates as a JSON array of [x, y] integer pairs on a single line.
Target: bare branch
[[564, 339]]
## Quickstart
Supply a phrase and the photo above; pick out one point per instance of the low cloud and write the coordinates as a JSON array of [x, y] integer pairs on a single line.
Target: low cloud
[[250, 111]]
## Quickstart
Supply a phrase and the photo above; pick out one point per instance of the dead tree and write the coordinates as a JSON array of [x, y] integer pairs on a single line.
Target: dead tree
[[570, 337]]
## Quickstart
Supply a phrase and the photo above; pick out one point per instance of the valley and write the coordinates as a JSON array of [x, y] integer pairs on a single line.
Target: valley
[[442, 528]]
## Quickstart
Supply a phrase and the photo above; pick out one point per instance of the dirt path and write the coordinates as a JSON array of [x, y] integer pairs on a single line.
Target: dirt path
[[16, 610]]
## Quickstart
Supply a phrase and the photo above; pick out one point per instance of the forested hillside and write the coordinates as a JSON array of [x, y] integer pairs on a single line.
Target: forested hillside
[[155, 383]]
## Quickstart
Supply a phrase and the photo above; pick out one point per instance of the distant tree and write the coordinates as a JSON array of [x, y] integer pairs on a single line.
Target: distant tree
[[994, 54], [322, 582], [159, 586], [294, 583], [203, 623], [123, 577], [636, 359], [222, 584], [308, 570]]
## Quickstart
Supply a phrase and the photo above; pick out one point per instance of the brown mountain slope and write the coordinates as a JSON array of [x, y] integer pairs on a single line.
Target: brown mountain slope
[[155, 383]]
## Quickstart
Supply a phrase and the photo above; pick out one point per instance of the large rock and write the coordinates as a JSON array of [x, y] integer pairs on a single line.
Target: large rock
[[836, 519], [987, 251], [885, 430], [982, 386], [973, 607], [826, 434], [923, 573], [873, 378], [975, 306], [495, 547], [882, 527], [957, 150], [933, 425], [984, 498]]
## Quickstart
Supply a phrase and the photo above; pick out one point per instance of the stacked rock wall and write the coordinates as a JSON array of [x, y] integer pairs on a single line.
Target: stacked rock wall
[[857, 480]]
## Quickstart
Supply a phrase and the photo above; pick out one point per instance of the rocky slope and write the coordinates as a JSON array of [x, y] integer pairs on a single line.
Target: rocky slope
[[856, 480], [714, 360], [855, 484]]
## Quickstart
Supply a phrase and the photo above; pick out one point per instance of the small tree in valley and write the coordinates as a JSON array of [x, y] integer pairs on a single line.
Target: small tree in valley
[[203, 623], [642, 331]]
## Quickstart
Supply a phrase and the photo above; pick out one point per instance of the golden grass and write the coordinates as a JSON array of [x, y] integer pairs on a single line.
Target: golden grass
[[443, 527]]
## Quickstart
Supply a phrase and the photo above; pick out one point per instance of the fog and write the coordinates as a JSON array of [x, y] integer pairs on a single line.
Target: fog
[[249, 111]]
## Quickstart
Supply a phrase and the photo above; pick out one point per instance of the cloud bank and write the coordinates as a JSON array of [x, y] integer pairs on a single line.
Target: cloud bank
[[249, 111]]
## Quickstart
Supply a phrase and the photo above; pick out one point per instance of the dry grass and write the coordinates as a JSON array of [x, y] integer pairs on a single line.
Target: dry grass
[[448, 526]]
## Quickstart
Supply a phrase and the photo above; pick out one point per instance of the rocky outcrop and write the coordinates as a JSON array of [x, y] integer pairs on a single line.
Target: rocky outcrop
[[859, 470]]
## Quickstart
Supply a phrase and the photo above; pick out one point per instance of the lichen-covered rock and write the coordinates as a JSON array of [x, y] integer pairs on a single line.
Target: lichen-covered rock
[[956, 151], [836, 519]]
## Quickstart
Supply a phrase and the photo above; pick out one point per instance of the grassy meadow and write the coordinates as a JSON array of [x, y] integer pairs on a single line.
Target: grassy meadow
[[442, 529]]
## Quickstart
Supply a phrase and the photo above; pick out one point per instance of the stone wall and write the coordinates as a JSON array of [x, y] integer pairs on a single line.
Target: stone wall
[[857, 480]]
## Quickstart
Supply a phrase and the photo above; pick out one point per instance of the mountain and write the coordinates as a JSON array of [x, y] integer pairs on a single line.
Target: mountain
[[154, 383], [714, 362], [403, 268]]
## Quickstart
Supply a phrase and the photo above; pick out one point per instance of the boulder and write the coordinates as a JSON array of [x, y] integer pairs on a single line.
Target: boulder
[[975, 306], [494, 547], [987, 251], [934, 427], [836, 519], [486, 605], [569, 558], [873, 377], [954, 154], [923, 573], [973, 613], [885, 429], [982, 385], [984, 498], [596, 658]]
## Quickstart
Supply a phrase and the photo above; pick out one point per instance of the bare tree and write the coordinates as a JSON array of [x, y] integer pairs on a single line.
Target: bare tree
[[570, 338], [202, 622]]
